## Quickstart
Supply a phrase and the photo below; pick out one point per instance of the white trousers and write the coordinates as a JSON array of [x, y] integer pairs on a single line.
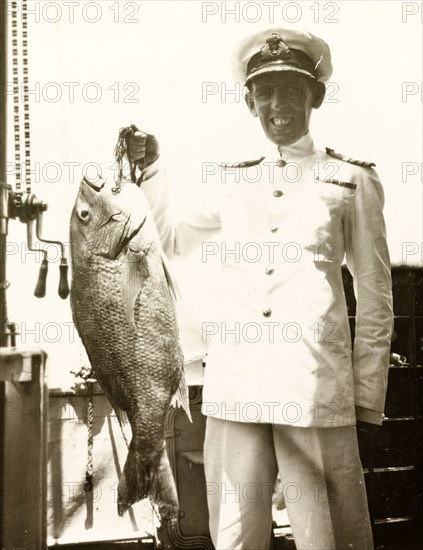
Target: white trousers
[[322, 481]]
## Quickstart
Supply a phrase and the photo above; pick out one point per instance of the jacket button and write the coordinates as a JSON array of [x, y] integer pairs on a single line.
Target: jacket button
[[267, 312], [269, 270], [277, 193], [281, 163]]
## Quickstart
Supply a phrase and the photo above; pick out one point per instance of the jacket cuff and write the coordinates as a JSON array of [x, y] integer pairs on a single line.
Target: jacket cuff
[[150, 171], [368, 415]]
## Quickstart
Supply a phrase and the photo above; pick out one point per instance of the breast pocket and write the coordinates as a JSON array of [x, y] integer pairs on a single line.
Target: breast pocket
[[326, 204], [336, 188]]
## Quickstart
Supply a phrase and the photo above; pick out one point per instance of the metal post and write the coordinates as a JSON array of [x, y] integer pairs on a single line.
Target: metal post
[[3, 191], [3, 225]]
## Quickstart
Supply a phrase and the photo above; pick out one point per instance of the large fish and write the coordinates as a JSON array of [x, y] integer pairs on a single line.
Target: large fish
[[124, 312]]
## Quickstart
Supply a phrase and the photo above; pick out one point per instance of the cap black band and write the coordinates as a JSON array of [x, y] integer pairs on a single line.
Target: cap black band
[[277, 55]]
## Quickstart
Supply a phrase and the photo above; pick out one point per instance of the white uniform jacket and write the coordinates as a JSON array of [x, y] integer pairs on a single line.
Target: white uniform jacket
[[281, 349]]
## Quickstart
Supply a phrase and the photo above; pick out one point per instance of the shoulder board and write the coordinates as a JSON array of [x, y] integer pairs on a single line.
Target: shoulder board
[[364, 163], [245, 164]]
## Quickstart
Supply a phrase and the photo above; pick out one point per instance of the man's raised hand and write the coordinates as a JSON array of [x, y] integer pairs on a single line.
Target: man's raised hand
[[143, 149]]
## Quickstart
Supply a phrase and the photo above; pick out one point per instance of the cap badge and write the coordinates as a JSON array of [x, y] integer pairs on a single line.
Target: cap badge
[[275, 47]]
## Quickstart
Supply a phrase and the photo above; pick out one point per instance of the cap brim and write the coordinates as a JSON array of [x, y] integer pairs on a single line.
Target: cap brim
[[277, 67]]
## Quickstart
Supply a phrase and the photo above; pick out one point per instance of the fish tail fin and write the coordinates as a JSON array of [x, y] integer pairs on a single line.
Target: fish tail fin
[[181, 397], [141, 479], [133, 482], [163, 489]]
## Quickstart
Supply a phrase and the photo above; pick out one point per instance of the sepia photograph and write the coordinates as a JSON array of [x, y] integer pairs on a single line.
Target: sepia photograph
[[211, 286]]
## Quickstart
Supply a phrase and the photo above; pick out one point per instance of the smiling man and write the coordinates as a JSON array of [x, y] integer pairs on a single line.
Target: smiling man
[[287, 396], [284, 104]]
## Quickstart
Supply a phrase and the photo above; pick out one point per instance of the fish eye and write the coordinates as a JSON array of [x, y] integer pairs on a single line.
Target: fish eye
[[84, 214]]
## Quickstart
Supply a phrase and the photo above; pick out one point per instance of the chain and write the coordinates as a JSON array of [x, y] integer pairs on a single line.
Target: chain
[[16, 95], [27, 133], [16, 110]]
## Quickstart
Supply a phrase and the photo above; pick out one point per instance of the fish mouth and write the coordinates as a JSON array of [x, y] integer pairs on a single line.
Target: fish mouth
[[281, 122], [96, 185]]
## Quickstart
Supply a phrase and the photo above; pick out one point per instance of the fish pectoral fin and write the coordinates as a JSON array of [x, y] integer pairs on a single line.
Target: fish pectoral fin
[[181, 397], [135, 272]]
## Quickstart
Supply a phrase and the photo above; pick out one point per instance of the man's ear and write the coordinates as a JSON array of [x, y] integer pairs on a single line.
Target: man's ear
[[319, 94], [249, 100]]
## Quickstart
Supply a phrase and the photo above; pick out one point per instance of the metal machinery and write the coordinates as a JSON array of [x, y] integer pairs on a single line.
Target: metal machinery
[[23, 388]]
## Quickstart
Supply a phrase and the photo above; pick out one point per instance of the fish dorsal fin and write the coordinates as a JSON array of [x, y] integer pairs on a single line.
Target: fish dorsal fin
[[135, 272], [244, 164], [339, 156]]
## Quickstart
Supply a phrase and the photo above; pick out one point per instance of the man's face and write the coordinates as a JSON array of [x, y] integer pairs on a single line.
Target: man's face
[[283, 101]]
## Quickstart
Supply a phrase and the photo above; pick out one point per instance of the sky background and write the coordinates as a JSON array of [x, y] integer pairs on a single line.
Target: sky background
[[150, 63]]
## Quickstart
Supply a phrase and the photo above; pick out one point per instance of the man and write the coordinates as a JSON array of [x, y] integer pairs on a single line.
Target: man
[[285, 391]]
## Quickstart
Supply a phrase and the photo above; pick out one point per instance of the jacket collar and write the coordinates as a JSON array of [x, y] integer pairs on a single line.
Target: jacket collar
[[301, 148]]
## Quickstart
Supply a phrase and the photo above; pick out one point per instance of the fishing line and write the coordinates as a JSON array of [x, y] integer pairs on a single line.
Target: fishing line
[[122, 150]]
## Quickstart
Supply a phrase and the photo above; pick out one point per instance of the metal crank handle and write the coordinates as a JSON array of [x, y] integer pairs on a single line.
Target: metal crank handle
[[40, 289], [63, 283], [63, 289]]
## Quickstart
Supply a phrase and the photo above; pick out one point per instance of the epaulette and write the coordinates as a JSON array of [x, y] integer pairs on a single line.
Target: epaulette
[[245, 164], [364, 163]]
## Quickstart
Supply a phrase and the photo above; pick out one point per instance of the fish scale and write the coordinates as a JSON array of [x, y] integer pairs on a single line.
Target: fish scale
[[125, 315]]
